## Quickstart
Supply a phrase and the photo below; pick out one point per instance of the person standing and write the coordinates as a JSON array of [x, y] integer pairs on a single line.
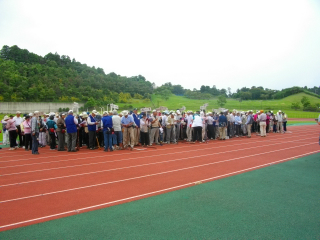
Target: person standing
[[170, 129], [116, 123], [144, 130], [18, 120], [35, 132], [178, 118], [155, 125], [5, 133], [27, 133], [52, 126], [136, 120], [128, 132], [223, 123], [71, 125], [284, 120], [61, 130], [280, 120], [197, 128], [237, 124], [210, 121], [189, 120], [106, 124], [249, 123], [92, 127], [263, 123], [11, 127]]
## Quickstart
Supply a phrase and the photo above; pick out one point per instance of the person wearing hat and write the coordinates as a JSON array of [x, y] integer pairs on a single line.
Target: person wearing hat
[[61, 131], [106, 124], [5, 133], [128, 132], [92, 127], [279, 123], [52, 126], [155, 125], [71, 125], [170, 133], [18, 120], [136, 120], [26, 130], [85, 134], [164, 124], [237, 124], [35, 132]]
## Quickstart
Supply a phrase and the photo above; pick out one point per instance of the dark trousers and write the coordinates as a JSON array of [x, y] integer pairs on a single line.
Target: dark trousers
[[275, 127], [100, 138], [144, 138], [53, 141], [21, 142], [61, 142], [13, 138], [27, 141], [92, 139], [81, 133], [238, 127], [35, 142], [285, 126], [210, 131], [197, 134]]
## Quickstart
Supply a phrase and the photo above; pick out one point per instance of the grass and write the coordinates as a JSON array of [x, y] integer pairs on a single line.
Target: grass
[[175, 102]]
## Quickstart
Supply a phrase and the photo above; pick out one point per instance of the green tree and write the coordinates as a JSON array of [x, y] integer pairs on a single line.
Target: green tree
[[305, 101], [295, 105], [222, 100]]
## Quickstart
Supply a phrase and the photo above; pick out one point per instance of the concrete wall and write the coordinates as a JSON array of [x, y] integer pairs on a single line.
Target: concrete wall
[[27, 107]]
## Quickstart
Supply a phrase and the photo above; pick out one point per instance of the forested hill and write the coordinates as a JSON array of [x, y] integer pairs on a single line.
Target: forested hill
[[25, 76]]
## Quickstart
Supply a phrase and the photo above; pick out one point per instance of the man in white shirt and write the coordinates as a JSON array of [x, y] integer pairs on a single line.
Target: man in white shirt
[[178, 117], [18, 120], [279, 124], [263, 123]]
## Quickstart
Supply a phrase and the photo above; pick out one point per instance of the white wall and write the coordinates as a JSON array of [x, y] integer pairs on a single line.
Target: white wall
[[27, 107]]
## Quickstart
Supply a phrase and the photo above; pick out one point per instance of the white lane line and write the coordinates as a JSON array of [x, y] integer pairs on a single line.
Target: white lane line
[[130, 153], [76, 211], [76, 159], [128, 159], [149, 175]]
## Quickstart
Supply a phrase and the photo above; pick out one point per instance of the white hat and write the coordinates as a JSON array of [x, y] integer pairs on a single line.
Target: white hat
[[279, 110], [51, 113], [6, 118], [114, 112], [178, 111], [105, 113], [154, 110], [36, 112], [18, 112], [94, 111], [70, 111], [125, 112], [84, 115], [63, 114]]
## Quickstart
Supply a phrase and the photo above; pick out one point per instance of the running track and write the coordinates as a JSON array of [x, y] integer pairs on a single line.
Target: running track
[[37, 188]]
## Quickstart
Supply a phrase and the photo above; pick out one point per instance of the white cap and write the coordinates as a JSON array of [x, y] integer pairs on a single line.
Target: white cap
[[18, 112], [94, 111], [70, 111], [105, 113], [178, 111], [125, 112]]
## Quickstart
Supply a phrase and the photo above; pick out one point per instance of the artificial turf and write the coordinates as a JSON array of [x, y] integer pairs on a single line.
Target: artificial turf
[[281, 201]]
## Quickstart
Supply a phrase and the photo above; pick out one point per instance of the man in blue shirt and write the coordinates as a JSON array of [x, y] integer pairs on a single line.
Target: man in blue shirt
[[223, 123], [106, 124], [136, 119], [71, 124], [128, 133]]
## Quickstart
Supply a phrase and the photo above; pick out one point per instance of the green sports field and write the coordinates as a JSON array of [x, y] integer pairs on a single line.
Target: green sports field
[[281, 201]]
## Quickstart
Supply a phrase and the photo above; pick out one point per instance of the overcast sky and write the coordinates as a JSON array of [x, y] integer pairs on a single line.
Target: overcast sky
[[274, 44]]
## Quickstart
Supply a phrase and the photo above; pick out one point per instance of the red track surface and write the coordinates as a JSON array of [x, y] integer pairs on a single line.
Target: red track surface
[[36, 188]]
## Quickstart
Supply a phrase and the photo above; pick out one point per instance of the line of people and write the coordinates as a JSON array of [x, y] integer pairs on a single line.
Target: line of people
[[114, 131]]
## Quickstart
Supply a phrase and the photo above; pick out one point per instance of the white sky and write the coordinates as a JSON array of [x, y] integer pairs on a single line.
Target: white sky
[[273, 43]]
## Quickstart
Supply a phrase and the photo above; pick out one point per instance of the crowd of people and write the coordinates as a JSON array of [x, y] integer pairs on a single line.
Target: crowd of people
[[125, 130]]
